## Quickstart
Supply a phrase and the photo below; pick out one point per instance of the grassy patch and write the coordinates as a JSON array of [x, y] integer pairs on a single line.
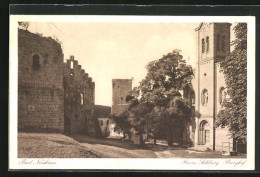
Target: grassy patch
[[44, 145]]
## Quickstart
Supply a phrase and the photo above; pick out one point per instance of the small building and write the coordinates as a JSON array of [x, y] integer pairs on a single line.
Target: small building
[[106, 123]]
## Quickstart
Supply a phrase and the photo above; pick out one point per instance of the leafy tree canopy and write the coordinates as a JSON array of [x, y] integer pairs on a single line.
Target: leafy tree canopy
[[235, 69], [156, 102]]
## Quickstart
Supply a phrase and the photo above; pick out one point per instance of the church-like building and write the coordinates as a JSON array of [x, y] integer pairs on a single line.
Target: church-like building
[[208, 90]]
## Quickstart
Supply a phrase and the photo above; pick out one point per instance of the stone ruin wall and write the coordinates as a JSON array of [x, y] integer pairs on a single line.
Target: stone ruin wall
[[79, 93], [40, 83]]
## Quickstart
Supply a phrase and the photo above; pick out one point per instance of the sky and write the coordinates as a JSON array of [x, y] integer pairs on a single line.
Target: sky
[[119, 50]]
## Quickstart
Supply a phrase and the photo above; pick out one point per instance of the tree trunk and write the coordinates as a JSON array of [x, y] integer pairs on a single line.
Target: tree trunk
[[154, 141], [170, 138], [124, 135], [141, 140]]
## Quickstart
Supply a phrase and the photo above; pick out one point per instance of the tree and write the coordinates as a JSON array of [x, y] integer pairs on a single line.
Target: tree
[[157, 101], [122, 123], [234, 67], [24, 25]]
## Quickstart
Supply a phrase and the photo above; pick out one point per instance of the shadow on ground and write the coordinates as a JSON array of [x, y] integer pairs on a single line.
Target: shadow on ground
[[126, 144]]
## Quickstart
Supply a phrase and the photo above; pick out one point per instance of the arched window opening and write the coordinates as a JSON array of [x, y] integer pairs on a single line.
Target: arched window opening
[[71, 64], [223, 40], [36, 62], [207, 44], [204, 97], [222, 95], [81, 99], [218, 43], [203, 45]]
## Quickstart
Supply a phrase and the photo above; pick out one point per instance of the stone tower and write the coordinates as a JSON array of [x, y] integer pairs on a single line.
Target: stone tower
[[213, 45], [40, 83], [121, 88]]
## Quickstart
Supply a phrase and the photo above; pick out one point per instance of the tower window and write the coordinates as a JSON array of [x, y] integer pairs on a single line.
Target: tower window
[[107, 122], [223, 40], [207, 44], [36, 62], [71, 64], [222, 95], [218, 43], [203, 45], [81, 99], [204, 97]]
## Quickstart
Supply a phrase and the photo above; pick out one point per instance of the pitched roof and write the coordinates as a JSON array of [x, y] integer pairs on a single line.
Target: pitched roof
[[198, 28]]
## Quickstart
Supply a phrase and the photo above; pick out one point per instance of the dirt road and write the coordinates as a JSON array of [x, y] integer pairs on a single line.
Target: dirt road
[[43, 145]]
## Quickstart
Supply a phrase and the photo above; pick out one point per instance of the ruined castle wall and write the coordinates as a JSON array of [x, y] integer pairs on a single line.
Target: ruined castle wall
[[40, 83], [79, 91]]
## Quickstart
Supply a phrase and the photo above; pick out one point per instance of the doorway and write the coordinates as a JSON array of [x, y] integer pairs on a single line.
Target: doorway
[[204, 133]]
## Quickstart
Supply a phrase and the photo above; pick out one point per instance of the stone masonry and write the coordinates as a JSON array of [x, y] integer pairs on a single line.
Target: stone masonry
[[52, 95], [79, 91], [121, 88], [40, 83]]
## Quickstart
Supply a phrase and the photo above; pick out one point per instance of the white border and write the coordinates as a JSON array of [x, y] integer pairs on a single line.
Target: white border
[[137, 164]]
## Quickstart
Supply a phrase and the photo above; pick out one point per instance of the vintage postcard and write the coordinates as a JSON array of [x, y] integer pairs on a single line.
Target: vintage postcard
[[132, 92]]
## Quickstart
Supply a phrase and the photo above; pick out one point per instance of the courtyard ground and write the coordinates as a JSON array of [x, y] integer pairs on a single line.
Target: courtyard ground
[[43, 145]]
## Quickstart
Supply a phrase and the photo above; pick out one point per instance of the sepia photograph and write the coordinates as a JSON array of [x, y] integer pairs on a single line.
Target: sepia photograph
[[128, 90]]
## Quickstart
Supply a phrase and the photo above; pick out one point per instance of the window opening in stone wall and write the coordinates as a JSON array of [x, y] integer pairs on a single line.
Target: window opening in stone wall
[[218, 43], [81, 99], [207, 44], [203, 45], [223, 40], [71, 64], [101, 122], [122, 98], [204, 97], [222, 95], [107, 122], [36, 62]]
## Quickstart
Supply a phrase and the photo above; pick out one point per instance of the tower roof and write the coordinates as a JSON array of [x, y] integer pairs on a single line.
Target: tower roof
[[198, 28]]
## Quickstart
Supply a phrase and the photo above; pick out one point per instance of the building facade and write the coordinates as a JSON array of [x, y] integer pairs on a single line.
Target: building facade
[[209, 85]]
